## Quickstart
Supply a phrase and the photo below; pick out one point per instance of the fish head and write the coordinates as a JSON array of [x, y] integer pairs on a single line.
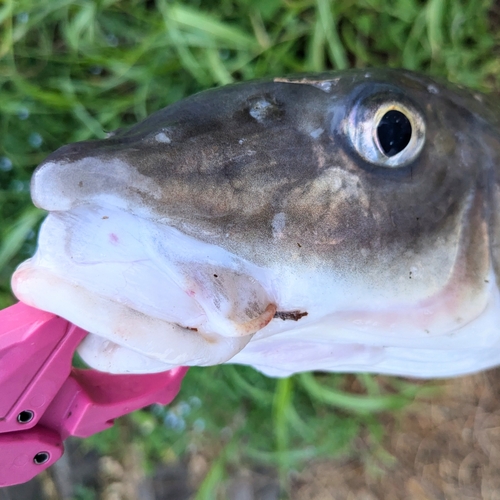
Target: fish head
[[338, 221]]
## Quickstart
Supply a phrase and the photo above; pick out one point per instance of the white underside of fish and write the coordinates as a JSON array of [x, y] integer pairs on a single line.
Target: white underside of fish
[[153, 298]]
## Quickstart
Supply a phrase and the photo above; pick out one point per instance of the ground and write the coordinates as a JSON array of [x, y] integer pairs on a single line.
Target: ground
[[447, 447]]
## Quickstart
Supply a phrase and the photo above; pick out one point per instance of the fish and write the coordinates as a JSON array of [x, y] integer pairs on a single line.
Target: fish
[[339, 222]]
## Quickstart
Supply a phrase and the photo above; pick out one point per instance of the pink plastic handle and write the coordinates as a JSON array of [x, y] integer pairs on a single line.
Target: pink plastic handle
[[36, 350], [25, 454], [44, 400], [90, 400]]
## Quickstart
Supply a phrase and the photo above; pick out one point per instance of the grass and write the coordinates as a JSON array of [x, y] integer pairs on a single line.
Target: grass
[[73, 70], [241, 418]]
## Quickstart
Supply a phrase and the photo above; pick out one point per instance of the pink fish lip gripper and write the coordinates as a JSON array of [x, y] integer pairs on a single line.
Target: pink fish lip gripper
[[43, 399]]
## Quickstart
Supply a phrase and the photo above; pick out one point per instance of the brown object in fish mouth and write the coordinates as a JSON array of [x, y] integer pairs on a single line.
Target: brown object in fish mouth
[[293, 315]]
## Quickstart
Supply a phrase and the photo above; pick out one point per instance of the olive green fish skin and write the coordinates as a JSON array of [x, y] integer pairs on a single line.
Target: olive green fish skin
[[223, 165], [398, 260]]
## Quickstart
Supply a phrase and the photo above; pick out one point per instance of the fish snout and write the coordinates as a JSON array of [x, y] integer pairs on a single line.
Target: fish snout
[[81, 174]]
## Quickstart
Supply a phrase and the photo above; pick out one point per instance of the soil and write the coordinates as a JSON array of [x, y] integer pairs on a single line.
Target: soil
[[447, 448]]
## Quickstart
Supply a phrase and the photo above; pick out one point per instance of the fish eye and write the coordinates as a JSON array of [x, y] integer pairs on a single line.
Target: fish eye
[[386, 130]]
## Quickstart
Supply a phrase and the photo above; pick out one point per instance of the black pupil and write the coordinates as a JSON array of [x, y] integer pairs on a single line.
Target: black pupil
[[394, 132]]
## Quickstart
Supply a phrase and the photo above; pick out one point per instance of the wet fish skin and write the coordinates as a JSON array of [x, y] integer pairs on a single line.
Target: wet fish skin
[[393, 265], [222, 164]]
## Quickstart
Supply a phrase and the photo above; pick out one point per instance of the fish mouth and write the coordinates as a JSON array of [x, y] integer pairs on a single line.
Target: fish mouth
[[150, 296]]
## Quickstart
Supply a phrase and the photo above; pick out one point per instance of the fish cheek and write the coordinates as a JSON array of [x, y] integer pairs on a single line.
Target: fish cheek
[[327, 212]]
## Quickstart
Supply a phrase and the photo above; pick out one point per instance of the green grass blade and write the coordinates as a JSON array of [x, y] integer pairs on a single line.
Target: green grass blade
[[16, 234], [226, 35], [281, 405], [335, 46], [435, 14], [352, 402], [211, 484]]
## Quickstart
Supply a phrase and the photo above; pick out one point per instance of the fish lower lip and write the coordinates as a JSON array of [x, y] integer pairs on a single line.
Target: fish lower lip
[[144, 285]]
